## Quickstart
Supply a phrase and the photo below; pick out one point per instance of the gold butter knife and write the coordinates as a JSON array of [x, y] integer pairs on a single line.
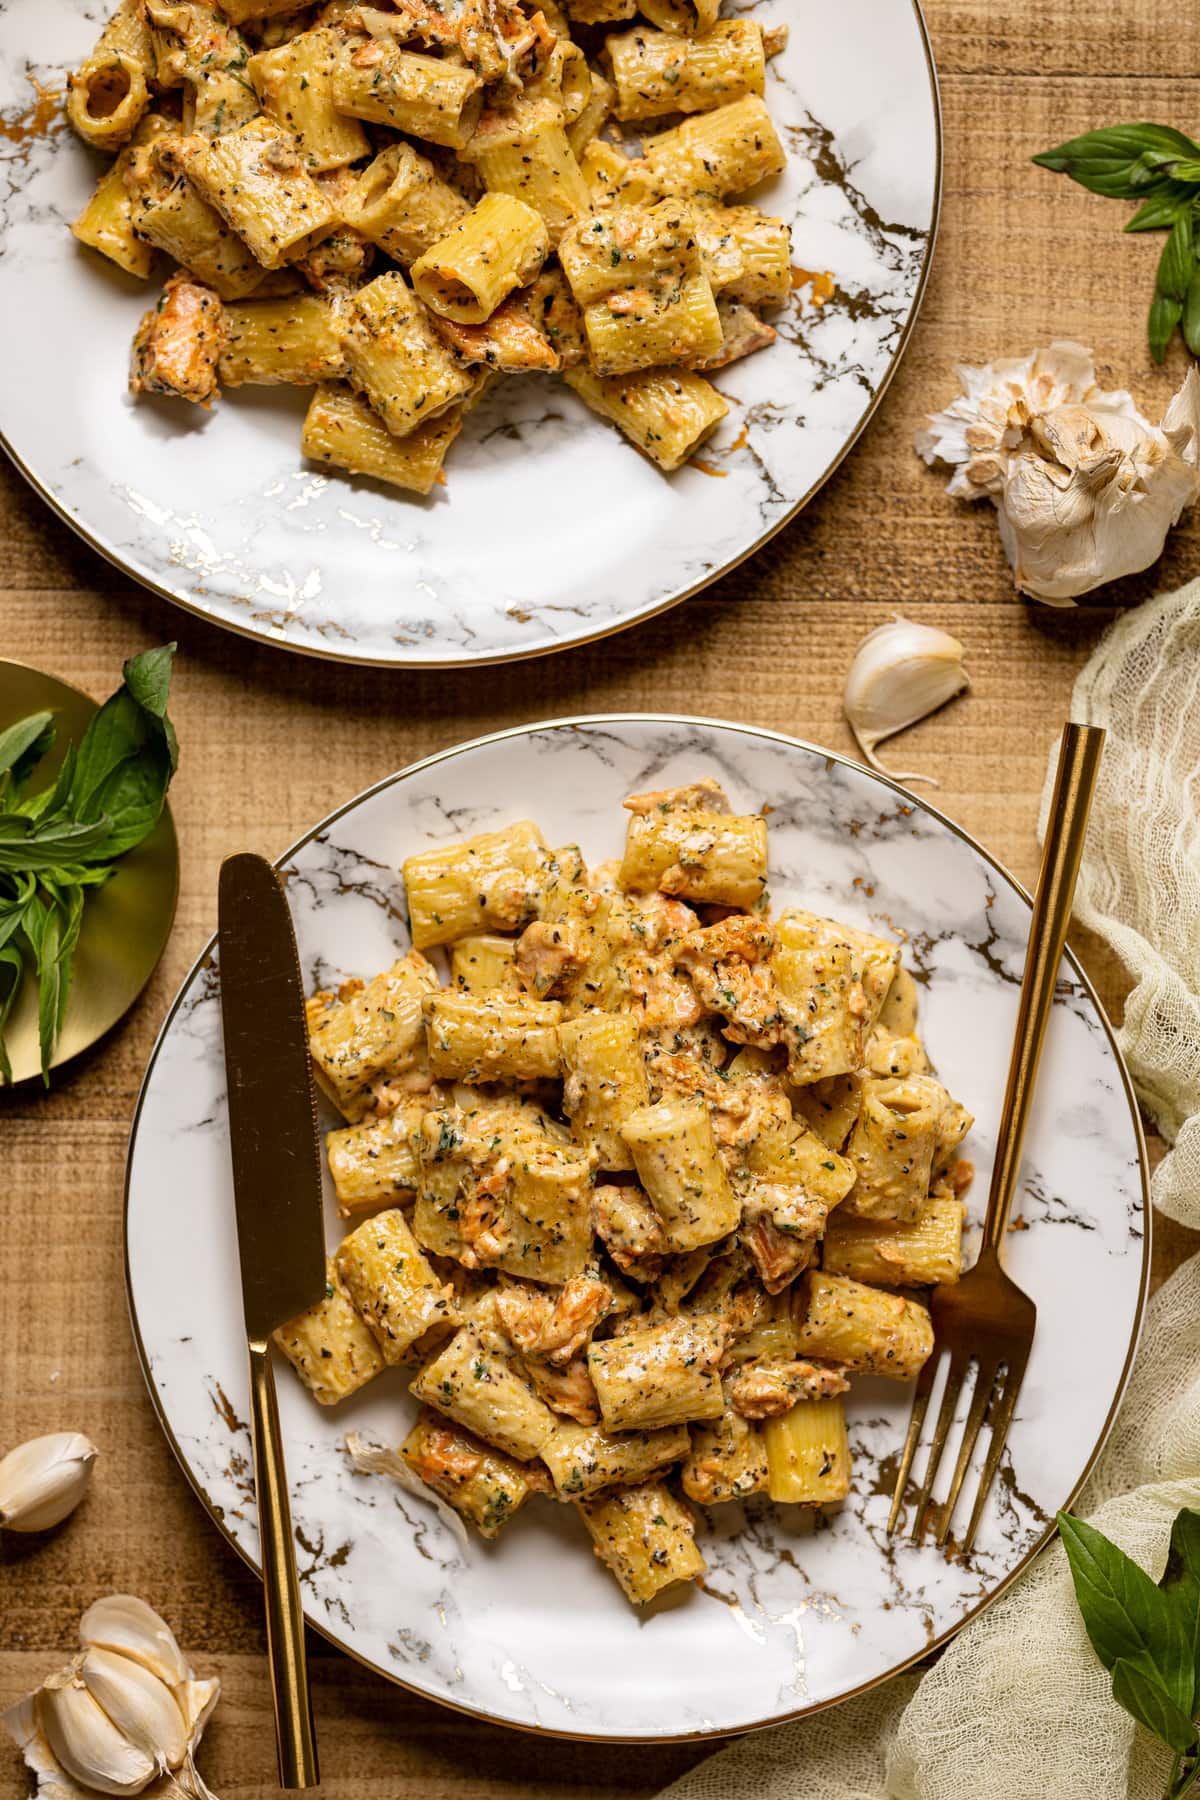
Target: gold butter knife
[[281, 1236]]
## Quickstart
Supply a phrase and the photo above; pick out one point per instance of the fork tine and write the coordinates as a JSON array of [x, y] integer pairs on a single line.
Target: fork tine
[[920, 1406], [954, 1381], [985, 1383], [1002, 1415]]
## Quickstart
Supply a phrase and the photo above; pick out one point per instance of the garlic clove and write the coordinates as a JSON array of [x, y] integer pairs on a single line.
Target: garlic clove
[[44, 1480], [86, 1743], [126, 1624], [197, 1701], [138, 1703], [901, 673]]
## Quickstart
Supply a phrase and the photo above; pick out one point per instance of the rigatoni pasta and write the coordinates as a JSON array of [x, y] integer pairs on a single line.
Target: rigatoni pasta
[[445, 178], [601, 1193]]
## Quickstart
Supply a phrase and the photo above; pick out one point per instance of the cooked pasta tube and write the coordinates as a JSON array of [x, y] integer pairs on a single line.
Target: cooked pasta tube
[[242, 10], [256, 179], [294, 82], [293, 341], [675, 1153], [401, 203], [801, 1157], [492, 1038], [831, 1107], [478, 1388], [345, 432], [659, 1375], [666, 413], [168, 213], [199, 49], [922, 1252], [395, 358], [491, 880], [819, 991], [717, 153], [690, 17], [422, 95], [368, 1031], [524, 151], [128, 32], [639, 276], [873, 960], [485, 964], [808, 1454], [764, 246], [713, 859], [106, 223], [500, 245], [482, 1484], [582, 1459], [645, 1537], [726, 1460], [862, 1328], [563, 77], [604, 1083], [374, 1163], [892, 1147], [593, 116], [657, 72], [106, 98], [392, 1287], [329, 1346]]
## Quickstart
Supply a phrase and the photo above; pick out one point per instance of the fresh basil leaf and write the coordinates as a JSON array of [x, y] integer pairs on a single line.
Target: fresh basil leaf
[[29, 847], [1165, 315], [1181, 1584], [52, 799], [1191, 314], [1126, 1617], [148, 678], [1158, 213], [1177, 264], [1145, 1700], [129, 802], [1187, 171], [23, 746], [12, 970], [1123, 161], [43, 929], [133, 721]]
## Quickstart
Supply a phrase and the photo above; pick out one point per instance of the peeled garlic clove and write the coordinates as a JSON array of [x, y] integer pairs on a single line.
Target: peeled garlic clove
[[44, 1480], [138, 1703], [86, 1743], [126, 1624], [901, 673]]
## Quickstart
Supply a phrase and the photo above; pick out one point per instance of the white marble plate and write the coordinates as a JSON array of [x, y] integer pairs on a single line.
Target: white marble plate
[[552, 529], [793, 1616]]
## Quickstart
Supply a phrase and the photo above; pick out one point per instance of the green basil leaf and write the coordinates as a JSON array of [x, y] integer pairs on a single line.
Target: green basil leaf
[[12, 972], [1126, 1617], [148, 678], [130, 801], [132, 722], [1177, 264], [1181, 1584], [1122, 161], [1145, 1700], [1158, 213], [27, 847], [43, 929], [1191, 315], [1165, 315], [1187, 171], [52, 799], [24, 744]]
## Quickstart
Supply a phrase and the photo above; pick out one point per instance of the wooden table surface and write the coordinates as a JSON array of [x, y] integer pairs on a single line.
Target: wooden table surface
[[271, 742]]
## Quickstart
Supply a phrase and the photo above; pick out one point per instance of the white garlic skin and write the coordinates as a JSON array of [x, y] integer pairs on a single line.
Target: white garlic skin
[[43, 1481], [1085, 487], [901, 673]]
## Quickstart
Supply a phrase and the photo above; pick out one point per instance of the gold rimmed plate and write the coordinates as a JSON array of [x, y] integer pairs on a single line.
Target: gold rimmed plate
[[126, 922], [795, 1613]]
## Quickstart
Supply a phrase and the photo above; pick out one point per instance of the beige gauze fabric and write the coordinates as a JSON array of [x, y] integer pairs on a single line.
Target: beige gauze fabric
[[1018, 1707]]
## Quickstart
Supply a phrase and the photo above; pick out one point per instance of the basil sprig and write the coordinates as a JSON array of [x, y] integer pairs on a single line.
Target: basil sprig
[[1160, 168], [1147, 1637], [56, 844]]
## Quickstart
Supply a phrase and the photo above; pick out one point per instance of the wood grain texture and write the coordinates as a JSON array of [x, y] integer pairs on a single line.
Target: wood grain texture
[[272, 742]]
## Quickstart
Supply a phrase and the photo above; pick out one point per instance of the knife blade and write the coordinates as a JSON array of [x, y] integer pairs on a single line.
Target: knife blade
[[281, 1237], [272, 1106]]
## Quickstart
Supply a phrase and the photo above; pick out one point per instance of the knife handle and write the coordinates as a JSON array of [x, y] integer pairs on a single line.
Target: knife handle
[[294, 1737]]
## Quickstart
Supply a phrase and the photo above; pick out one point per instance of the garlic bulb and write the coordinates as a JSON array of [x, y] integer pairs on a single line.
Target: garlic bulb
[[901, 673], [44, 1480], [1084, 486], [124, 1717]]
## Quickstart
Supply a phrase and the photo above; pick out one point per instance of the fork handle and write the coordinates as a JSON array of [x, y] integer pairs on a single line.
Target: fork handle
[[1066, 830]]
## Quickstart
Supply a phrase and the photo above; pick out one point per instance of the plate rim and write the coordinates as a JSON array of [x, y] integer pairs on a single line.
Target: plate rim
[[591, 720], [322, 654]]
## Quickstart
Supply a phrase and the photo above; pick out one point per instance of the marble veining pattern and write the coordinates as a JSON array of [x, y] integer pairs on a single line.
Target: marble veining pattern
[[795, 1610], [552, 528]]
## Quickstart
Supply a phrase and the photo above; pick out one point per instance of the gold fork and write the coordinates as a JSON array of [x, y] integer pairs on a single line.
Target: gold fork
[[985, 1318]]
